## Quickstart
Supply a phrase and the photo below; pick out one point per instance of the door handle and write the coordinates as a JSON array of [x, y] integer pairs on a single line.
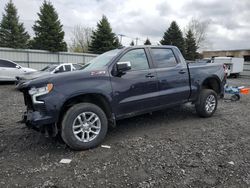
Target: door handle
[[182, 71], [149, 75]]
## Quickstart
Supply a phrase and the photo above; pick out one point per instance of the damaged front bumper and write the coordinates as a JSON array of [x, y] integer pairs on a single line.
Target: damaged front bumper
[[40, 116], [36, 120]]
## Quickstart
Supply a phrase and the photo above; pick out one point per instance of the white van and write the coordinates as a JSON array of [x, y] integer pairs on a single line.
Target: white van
[[234, 65]]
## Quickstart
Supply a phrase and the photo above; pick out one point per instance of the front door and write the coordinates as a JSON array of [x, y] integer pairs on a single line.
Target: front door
[[136, 89]]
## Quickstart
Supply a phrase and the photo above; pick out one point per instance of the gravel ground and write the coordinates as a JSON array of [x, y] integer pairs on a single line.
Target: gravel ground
[[170, 148]]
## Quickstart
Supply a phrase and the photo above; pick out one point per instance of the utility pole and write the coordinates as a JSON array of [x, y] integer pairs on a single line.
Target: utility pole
[[136, 40], [121, 35]]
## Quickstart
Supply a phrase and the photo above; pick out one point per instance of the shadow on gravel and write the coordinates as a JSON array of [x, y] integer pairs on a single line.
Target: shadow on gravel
[[167, 118], [7, 83], [23, 138]]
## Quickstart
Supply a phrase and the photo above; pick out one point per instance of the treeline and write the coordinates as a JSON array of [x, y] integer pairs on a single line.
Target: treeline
[[186, 44], [49, 34]]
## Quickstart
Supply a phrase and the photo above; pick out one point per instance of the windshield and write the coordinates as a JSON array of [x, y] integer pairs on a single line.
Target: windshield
[[102, 60], [49, 68]]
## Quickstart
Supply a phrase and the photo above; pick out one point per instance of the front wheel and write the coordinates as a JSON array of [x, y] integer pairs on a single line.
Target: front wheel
[[207, 103], [84, 126]]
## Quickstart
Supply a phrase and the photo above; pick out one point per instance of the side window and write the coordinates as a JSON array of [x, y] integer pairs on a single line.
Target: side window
[[67, 68], [2, 63], [163, 57], [77, 66], [137, 58], [8, 64], [61, 69]]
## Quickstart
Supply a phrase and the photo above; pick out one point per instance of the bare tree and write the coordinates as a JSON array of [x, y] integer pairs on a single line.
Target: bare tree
[[81, 39], [199, 29]]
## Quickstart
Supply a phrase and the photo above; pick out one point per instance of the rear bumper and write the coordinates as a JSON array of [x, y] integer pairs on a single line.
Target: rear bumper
[[20, 81]]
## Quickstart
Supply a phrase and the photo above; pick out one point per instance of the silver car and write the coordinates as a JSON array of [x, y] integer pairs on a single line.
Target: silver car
[[50, 69], [9, 70]]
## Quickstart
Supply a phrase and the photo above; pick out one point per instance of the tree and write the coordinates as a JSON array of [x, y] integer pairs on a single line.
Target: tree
[[132, 43], [173, 36], [147, 42], [81, 39], [199, 29], [117, 43], [49, 34], [190, 46], [12, 32], [103, 39]]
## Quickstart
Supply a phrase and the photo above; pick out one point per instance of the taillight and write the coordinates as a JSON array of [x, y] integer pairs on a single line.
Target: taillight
[[225, 68]]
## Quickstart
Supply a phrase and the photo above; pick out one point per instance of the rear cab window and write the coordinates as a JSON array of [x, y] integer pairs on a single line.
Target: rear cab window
[[163, 57], [67, 68]]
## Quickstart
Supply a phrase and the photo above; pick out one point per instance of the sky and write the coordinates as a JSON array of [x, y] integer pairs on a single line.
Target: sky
[[228, 29]]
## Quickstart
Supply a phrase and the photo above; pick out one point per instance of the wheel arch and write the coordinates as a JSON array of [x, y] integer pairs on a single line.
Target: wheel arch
[[95, 98], [213, 83]]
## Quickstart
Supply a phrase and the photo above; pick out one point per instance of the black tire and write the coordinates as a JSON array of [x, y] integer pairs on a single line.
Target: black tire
[[69, 118], [202, 102], [235, 97]]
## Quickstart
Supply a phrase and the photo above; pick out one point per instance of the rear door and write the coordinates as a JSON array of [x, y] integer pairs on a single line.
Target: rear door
[[173, 78], [136, 89]]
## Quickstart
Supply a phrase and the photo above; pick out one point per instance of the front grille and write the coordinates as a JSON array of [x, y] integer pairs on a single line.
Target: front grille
[[28, 101], [41, 108]]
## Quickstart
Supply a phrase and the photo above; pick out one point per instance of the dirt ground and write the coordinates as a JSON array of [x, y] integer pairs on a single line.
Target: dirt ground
[[170, 148]]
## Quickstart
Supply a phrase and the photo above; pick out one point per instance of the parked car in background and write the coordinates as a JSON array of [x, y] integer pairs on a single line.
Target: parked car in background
[[9, 70], [50, 69]]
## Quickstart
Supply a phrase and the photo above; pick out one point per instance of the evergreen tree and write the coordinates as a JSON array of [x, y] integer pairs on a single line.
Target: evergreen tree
[[132, 43], [173, 36], [147, 42], [49, 34], [117, 43], [190, 46], [12, 33], [103, 39]]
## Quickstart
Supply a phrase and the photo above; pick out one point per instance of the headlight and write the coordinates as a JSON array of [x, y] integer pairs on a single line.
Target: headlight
[[36, 92]]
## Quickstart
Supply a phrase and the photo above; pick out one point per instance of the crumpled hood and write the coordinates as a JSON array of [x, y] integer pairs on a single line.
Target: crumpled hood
[[62, 78], [33, 75]]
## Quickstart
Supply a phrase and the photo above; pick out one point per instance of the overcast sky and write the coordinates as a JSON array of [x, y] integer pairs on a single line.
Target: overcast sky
[[229, 19]]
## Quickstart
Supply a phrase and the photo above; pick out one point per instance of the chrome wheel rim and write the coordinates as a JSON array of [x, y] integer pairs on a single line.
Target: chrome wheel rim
[[86, 126], [210, 103]]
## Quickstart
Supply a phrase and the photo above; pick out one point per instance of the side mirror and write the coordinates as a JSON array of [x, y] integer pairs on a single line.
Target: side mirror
[[123, 66], [18, 67]]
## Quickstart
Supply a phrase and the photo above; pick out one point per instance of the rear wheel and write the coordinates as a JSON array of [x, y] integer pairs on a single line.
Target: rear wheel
[[235, 97], [207, 103], [84, 126]]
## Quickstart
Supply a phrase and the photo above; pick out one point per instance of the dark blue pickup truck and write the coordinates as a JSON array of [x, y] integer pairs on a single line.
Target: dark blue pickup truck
[[119, 84]]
